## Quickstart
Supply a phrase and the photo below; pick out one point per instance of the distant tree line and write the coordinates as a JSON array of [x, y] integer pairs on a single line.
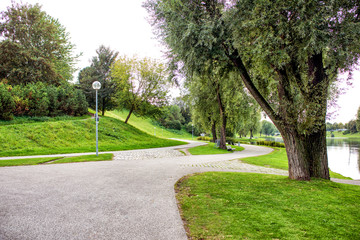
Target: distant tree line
[[353, 126]]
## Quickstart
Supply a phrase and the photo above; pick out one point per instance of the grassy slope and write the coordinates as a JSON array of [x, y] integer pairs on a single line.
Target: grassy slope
[[73, 136], [278, 159], [259, 206], [146, 125]]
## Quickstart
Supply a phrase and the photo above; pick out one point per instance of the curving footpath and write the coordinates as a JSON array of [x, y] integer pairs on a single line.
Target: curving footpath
[[131, 197]]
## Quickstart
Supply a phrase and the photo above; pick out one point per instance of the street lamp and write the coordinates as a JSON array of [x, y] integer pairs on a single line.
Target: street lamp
[[96, 85]]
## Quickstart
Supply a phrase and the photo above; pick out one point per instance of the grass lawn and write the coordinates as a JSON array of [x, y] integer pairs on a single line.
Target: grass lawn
[[259, 206], [55, 160], [73, 136], [211, 149], [278, 159], [341, 135], [148, 126]]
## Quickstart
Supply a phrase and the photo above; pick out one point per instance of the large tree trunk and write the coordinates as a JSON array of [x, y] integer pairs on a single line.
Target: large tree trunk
[[130, 112], [307, 154]]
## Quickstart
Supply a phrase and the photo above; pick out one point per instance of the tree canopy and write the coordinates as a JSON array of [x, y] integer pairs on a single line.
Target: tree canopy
[[142, 85], [287, 54], [100, 70], [34, 47]]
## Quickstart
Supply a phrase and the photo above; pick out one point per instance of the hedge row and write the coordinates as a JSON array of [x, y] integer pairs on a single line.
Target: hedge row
[[38, 100], [257, 142]]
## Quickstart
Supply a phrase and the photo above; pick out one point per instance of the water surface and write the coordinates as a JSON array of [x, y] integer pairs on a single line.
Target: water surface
[[343, 155]]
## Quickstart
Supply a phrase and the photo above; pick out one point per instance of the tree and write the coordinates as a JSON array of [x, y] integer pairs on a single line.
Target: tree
[[172, 117], [254, 120], [34, 47], [100, 70], [351, 126], [142, 86], [267, 128], [287, 54]]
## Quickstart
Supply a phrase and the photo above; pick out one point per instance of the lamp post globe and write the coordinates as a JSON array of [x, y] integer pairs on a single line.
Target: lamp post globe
[[96, 85]]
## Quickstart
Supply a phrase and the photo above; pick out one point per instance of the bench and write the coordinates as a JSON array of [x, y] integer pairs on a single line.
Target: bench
[[229, 148]]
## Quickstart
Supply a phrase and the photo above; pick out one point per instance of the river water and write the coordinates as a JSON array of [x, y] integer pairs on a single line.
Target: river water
[[343, 156]]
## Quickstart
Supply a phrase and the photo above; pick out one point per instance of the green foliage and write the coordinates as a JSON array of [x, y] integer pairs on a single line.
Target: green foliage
[[172, 117], [100, 70], [142, 86], [38, 99], [267, 128], [287, 54], [201, 138], [34, 47], [271, 144], [218, 205], [351, 126], [7, 104]]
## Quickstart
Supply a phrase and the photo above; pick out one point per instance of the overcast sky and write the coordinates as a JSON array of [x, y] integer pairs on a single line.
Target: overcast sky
[[122, 26]]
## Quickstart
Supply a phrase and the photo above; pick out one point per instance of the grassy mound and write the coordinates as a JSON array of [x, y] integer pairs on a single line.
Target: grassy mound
[[148, 126], [75, 135]]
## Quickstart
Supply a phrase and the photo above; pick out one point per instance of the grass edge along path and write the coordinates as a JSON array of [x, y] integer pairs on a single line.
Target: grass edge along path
[[278, 159], [55, 160], [227, 205], [211, 149]]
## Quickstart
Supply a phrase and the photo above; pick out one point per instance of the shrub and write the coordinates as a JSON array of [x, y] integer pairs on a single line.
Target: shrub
[[271, 144], [175, 124], [38, 100], [204, 138], [7, 104]]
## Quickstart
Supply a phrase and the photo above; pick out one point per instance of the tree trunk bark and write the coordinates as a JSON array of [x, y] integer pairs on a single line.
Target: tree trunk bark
[[130, 112], [222, 119], [213, 131], [251, 134], [223, 132], [307, 155]]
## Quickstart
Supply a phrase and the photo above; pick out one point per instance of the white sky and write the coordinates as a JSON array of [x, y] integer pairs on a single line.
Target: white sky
[[122, 26]]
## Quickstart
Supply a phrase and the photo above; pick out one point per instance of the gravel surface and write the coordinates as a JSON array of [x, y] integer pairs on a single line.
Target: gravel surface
[[131, 197]]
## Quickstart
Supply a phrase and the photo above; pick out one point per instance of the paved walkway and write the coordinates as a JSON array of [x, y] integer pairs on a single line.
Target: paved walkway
[[131, 197]]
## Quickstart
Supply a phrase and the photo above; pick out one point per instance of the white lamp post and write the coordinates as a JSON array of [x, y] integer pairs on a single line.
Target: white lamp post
[[96, 85]]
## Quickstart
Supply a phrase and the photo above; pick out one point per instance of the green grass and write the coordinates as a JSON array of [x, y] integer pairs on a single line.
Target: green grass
[[55, 160], [210, 149], [258, 206], [149, 126], [341, 135], [22, 120], [73, 136], [278, 159]]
